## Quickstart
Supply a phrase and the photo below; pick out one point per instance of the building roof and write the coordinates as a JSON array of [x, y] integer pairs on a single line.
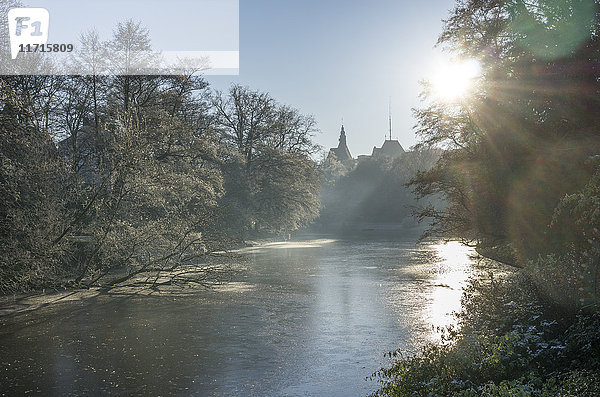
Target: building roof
[[390, 148]]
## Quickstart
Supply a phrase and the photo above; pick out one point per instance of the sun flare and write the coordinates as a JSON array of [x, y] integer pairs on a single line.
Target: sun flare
[[454, 79]]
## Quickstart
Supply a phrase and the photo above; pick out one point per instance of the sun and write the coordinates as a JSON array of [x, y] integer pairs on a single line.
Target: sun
[[454, 79]]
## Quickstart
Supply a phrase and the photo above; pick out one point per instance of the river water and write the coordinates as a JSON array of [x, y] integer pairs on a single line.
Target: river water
[[302, 318]]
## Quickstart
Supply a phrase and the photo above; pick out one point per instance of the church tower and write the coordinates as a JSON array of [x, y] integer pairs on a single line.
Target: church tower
[[342, 153], [342, 145]]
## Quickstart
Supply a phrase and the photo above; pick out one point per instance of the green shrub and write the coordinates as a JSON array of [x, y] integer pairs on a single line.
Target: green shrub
[[471, 364]]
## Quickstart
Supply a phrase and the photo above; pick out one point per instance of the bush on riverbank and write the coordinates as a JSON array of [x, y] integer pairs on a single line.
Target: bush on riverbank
[[508, 342]]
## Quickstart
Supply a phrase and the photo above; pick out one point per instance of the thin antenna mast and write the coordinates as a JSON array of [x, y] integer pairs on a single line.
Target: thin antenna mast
[[390, 116]]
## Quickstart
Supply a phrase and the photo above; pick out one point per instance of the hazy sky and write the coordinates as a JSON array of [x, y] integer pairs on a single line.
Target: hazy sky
[[173, 24], [342, 59]]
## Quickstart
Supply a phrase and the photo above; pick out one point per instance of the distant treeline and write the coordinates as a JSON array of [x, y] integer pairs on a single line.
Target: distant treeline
[[373, 191]]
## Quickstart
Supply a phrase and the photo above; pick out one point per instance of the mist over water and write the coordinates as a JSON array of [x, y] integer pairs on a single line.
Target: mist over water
[[311, 317]]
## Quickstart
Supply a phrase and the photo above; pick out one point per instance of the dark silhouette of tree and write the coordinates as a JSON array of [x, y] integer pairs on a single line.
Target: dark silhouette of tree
[[523, 140]]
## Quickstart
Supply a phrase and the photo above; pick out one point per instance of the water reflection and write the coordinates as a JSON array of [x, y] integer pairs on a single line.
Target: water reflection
[[453, 270], [299, 318], [318, 243]]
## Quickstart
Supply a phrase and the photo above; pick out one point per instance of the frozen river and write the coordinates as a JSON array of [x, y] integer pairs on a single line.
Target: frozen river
[[301, 318]]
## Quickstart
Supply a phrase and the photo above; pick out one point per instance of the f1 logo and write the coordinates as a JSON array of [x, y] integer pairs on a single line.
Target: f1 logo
[[27, 26]]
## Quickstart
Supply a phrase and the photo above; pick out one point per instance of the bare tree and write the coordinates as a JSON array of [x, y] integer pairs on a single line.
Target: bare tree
[[244, 116], [129, 56]]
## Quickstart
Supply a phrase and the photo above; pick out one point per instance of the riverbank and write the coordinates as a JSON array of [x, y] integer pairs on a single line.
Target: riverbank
[[140, 285], [28, 302], [508, 341], [219, 263]]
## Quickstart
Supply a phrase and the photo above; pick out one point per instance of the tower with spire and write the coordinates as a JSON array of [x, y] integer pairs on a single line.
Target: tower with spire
[[342, 153]]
